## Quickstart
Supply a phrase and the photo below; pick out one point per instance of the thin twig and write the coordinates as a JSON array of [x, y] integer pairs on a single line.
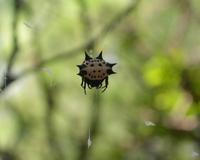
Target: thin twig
[[8, 77], [16, 9]]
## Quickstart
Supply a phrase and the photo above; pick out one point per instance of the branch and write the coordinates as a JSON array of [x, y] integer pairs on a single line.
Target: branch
[[161, 130], [8, 77], [110, 26], [75, 51]]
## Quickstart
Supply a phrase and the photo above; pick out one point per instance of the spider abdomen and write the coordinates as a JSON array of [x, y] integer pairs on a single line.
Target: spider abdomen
[[95, 70]]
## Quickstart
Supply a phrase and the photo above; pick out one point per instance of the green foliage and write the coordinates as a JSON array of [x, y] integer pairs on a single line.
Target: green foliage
[[152, 105]]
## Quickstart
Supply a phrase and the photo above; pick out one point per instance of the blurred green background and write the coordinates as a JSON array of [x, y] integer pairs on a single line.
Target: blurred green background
[[151, 109]]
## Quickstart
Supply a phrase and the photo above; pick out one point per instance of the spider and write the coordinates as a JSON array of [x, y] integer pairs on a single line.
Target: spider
[[94, 71]]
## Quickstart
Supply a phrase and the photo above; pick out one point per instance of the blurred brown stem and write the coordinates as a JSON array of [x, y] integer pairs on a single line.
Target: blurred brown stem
[[51, 135], [8, 77]]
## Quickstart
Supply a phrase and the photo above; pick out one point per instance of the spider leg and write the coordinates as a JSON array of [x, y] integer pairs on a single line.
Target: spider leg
[[89, 86], [100, 85], [84, 86], [106, 85], [82, 83]]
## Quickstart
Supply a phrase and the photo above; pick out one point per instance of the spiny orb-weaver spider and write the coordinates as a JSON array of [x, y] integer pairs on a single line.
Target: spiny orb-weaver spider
[[94, 71]]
